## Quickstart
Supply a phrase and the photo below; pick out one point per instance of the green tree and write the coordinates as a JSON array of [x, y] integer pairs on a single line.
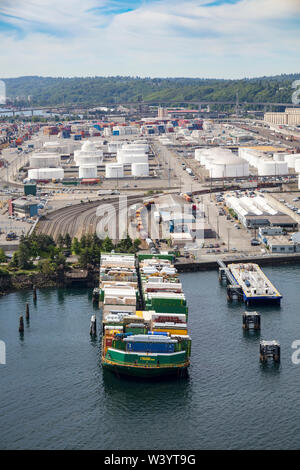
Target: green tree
[[86, 257], [2, 256], [68, 241], [60, 241], [46, 267], [107, 245], [76, 247], [83, 241]]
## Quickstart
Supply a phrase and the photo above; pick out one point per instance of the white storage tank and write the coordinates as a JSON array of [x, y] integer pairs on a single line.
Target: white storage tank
[[228, 167], [140, 169], [88, 171], [282, 168], [131, 158], [46, 173], [114, 170], [112, 147], [44, 160], [88, 154], [291, 159], [267, 168], [297, 166]]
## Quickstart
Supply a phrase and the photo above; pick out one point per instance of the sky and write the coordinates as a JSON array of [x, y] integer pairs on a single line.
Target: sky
[[149, 38]]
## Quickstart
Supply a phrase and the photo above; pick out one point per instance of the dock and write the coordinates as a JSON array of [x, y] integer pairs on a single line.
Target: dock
[[233, 288], [249, 281]]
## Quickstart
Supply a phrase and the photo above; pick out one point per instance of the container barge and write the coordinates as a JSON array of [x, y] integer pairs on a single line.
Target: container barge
[[253, 283], [144, 316]]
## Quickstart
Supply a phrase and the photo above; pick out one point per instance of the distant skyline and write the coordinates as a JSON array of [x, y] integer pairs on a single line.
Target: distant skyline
[[193, 38]]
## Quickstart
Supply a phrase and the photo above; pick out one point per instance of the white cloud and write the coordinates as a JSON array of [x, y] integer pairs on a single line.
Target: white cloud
[[164, 38]]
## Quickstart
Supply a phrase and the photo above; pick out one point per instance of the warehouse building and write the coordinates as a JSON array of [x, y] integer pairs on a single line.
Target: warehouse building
[[291, 117], [257, 212], [24, 208]]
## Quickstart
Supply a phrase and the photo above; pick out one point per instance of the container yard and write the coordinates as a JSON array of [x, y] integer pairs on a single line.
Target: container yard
[[140, 337]]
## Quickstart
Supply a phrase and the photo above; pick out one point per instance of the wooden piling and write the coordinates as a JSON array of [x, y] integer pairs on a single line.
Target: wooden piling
[[21, 324], [93, 326], [27, 316], [34, 294]]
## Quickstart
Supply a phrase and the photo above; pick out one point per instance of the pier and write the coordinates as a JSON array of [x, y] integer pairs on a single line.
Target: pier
[[233, 289], [251, 320], [269, 350]]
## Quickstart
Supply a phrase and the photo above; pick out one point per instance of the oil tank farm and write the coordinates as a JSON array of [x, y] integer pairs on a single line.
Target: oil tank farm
[[267, 164], [222, 163]]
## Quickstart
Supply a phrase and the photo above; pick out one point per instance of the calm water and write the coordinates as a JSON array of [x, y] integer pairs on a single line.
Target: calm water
[[54, 393]]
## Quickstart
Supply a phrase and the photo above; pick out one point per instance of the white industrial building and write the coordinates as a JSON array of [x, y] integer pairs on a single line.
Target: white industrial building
[[44, 160], [114, 170], [140, 169], [46, 173], [222, 163]]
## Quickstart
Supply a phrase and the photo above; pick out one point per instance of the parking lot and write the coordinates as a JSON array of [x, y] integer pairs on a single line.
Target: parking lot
[[231, 235]]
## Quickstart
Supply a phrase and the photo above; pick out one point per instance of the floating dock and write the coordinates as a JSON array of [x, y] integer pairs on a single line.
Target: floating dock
[[253, 283], [144, 316], [247, 282]]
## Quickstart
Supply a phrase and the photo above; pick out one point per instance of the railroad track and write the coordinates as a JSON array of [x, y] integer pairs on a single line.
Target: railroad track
[[79, 219]]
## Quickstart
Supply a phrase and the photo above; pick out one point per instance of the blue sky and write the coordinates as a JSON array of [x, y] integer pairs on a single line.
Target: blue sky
[[196, 38]]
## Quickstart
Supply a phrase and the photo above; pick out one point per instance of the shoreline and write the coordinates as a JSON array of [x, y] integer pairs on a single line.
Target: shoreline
[[17, 282], [269, 260]]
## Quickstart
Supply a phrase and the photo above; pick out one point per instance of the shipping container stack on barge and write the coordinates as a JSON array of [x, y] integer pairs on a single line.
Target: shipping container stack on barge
[[144, 316], [253, 283]]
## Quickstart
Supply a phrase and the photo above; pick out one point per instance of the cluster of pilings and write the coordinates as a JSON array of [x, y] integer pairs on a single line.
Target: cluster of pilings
[[27, 313], [269, 350]]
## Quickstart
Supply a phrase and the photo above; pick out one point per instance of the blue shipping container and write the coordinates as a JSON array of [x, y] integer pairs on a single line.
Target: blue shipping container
[[150, 347]]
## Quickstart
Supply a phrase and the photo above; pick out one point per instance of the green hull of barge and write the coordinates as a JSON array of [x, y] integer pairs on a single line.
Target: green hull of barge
[[145, 372], [146, 365]]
